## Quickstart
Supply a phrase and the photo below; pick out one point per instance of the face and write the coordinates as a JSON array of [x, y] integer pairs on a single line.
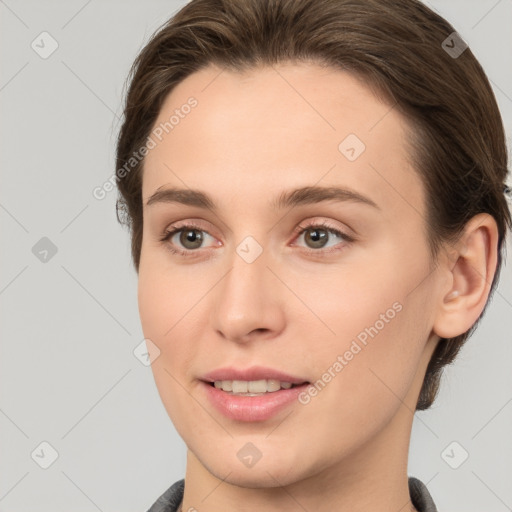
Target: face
[[335, 291]]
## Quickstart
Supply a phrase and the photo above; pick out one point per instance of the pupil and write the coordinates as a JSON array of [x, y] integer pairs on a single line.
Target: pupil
[[192, 236], [318, 237]]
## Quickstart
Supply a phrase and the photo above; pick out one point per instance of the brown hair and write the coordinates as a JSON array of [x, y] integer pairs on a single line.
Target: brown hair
[[458, 142]]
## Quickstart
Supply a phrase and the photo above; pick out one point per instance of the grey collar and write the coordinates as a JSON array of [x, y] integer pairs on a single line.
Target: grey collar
[[170, 500]]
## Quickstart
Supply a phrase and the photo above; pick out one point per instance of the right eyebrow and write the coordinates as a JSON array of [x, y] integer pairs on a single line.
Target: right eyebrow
[[184, 196]]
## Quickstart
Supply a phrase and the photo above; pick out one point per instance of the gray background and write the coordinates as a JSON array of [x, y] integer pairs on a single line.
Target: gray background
[[69, 325]]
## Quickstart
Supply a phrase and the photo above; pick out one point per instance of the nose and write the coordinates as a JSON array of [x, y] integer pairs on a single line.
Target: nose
[[248, 302]]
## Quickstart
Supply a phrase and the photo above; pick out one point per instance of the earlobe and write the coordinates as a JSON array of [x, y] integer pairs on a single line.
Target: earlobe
[[471, 277]]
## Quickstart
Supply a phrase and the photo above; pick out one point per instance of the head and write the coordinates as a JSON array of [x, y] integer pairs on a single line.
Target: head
[[246, 101]]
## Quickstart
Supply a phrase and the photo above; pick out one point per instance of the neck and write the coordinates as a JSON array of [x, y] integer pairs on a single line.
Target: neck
[[371, 477]]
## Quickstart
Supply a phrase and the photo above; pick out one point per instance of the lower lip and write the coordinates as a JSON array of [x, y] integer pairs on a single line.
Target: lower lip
[[252, 408]]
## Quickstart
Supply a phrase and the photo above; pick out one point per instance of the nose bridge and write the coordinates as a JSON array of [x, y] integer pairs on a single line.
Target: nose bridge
[[246, 300], [245, 283]]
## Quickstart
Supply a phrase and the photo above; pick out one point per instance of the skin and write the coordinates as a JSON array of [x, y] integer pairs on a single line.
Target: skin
[[251, 136]]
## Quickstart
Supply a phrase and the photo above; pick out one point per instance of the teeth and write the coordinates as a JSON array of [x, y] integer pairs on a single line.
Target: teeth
[[252, 386]]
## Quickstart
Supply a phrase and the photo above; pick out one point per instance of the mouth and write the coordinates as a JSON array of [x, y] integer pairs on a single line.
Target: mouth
[[252, 401], [256, 379], [254, 387]]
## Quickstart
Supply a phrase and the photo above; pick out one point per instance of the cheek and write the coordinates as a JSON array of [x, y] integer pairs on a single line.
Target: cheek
[[163, 299], [172, 314], [152, 296], [375, 319], [163, 313]]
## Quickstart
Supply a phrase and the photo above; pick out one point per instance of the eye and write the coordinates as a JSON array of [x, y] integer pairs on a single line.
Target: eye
[[317, 235], [190, 237]]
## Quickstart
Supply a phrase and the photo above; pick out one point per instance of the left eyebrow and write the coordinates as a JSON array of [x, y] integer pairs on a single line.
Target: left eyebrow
[[289, 198], [312, 195]]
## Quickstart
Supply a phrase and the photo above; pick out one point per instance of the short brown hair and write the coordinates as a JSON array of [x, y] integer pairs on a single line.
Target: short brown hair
[[458, 143]]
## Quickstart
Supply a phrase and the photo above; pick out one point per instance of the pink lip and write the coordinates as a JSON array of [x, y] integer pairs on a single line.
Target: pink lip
[[251, 408], [253, 373]]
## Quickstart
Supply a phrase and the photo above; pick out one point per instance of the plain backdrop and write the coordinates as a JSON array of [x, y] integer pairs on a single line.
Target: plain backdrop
[[70, 384]]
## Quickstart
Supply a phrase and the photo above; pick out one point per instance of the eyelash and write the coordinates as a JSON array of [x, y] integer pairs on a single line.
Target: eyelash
[[298, 231]]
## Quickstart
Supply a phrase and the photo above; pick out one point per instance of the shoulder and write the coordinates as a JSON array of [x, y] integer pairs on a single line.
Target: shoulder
[[420, 496], [170, 499]]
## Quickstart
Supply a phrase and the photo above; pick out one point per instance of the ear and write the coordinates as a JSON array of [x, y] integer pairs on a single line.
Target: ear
[[470, 271]]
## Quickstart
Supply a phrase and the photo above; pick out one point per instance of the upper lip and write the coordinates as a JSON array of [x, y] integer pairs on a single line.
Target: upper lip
[[252, 373]]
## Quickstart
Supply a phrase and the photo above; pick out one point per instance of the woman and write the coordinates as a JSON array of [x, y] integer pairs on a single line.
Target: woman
[[317, 202]]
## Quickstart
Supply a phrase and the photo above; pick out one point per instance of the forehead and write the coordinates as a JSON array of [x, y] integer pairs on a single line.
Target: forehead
[[273, 127]]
